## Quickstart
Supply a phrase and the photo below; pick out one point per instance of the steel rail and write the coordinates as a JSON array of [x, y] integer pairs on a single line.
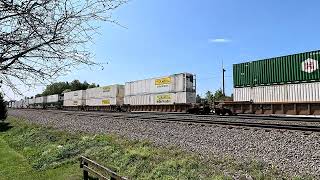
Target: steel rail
[[196, 119]]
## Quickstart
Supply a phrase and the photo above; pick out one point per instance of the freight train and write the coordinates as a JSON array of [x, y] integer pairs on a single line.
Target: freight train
[[281, 85], [173, 93]]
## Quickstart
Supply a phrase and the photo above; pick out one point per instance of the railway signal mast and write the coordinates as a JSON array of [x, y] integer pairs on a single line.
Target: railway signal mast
[[223, 83]]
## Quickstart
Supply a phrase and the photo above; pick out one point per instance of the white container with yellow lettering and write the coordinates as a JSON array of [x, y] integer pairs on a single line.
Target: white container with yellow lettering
[[105, 96], [173, 89]]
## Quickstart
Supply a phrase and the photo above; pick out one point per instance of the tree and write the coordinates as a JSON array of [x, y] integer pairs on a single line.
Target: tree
[[41, 40], [3, 108], [60, 87], [93, 85], [209, 97], [198, 99], [75, 85], [218, 95], [56, 88]]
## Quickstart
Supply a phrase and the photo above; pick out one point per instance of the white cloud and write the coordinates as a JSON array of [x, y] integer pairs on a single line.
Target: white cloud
[[219, 40]]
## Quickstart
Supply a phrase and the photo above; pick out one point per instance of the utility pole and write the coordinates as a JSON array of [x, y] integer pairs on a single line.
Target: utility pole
[[223, 86]]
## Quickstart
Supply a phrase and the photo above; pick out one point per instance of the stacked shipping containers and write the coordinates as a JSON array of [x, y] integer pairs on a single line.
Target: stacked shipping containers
[[11, 104], [41, 100], [31, 101], [168, 90], [74, 98], [52, 99], [105, 96], [292, 78], [20, 104]]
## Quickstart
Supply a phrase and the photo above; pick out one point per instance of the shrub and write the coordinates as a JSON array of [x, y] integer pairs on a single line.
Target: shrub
[[3, 108]]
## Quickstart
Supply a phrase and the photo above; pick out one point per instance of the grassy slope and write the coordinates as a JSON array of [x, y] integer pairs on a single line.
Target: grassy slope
[[34, 152], [15, 166]]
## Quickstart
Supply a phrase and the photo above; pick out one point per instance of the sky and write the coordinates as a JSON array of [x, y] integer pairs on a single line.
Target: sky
[[197, 36]]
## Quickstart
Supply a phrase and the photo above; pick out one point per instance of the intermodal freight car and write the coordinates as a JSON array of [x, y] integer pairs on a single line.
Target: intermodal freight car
[[281, 85], [174, 93]]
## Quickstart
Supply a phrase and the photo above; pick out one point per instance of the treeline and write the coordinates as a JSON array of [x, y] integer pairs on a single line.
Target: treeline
[[213, 97], [61, 87]]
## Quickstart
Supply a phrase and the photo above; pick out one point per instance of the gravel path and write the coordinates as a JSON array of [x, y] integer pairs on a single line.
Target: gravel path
[[293, 152]]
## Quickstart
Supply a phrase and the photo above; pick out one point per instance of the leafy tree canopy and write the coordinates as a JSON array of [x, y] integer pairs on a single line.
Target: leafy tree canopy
[[217, 96], [60, 87]]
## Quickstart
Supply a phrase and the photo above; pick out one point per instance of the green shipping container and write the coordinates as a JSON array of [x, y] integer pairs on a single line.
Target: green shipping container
[[296, 68]]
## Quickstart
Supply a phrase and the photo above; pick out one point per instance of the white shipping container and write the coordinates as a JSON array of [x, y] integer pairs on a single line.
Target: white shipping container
[[161, 98], [41, 100], [13, 104], [10, 104], [18, 104], [242, 94], [26, 103], [75, 95], [54, 98], [104, 101], [31, 101], [183, 82], [74, 102], [111, 91], [305, 92]]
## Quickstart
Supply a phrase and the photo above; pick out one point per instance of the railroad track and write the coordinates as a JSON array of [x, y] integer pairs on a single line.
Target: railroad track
[[238, 124], [269, 122]]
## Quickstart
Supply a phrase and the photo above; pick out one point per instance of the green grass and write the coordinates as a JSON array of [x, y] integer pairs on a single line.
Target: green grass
[[15, 166], [28, 151]]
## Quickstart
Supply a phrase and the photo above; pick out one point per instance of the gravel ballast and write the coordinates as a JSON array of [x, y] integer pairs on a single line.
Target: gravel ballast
[[294, 152]]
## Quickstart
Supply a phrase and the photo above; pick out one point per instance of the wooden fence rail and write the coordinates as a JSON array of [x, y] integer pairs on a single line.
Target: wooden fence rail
[[102, 173]]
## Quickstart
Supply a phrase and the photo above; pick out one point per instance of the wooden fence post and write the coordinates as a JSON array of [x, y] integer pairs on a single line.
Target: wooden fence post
[[85, 173]]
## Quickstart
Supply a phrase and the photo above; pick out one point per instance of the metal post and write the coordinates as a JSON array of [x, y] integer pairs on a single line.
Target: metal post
[[223, 86], [85, 173]]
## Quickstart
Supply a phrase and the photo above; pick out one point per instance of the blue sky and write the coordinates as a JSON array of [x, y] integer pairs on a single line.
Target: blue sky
[[170, 36]]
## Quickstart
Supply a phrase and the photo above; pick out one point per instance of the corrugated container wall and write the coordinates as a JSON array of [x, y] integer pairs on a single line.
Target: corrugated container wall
[[41, 100], [182, 82], [303, 92], [164, 98], [18, 104], [297, 68], [105, 96], [74, 98], [177, 88], [31, 101], [54, 98]]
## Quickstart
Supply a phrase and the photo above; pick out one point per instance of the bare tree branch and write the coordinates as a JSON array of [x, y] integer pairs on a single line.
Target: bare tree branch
[[41, 40]]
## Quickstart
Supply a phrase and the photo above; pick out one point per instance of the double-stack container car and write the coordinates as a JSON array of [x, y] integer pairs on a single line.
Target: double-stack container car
[[282, 85], [40, 102], [176, 92], [11, 104], [54, 101], [31, 102], [107, 98], [74, 100], [19, 104]]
